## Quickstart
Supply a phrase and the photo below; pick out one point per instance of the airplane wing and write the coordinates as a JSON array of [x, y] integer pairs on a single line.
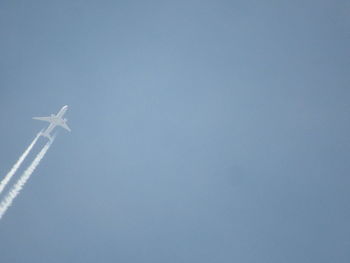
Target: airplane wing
[[64, 125], [48, 119]]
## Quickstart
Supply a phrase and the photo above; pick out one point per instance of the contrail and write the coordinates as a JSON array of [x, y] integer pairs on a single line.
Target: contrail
[[13, 170], [15, 190]]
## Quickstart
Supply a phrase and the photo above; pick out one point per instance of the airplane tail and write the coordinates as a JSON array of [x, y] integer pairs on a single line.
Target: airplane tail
[[47, 135]]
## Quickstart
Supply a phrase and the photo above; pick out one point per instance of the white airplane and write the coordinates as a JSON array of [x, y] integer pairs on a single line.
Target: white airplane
[[54, 120]]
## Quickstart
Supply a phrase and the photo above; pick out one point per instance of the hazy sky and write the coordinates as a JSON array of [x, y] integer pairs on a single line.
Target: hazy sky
[[202, 131]]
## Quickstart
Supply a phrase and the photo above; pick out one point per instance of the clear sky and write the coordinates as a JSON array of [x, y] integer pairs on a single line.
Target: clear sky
[[202, 131]]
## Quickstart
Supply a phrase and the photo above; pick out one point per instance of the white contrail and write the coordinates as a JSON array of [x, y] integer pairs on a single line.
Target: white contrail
[[13, 170], [15, 190]]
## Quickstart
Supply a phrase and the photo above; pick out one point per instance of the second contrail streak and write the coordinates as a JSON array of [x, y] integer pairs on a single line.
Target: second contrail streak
[[15, 167], [15, 190]]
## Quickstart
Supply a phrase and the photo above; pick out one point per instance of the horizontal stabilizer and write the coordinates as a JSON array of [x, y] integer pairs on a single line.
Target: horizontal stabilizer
[[47, 135]]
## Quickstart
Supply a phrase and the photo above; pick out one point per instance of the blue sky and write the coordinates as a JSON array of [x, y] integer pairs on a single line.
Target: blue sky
[[202, 131]]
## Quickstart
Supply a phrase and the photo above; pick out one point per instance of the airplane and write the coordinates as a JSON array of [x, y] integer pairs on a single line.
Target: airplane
[[54, 120]]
